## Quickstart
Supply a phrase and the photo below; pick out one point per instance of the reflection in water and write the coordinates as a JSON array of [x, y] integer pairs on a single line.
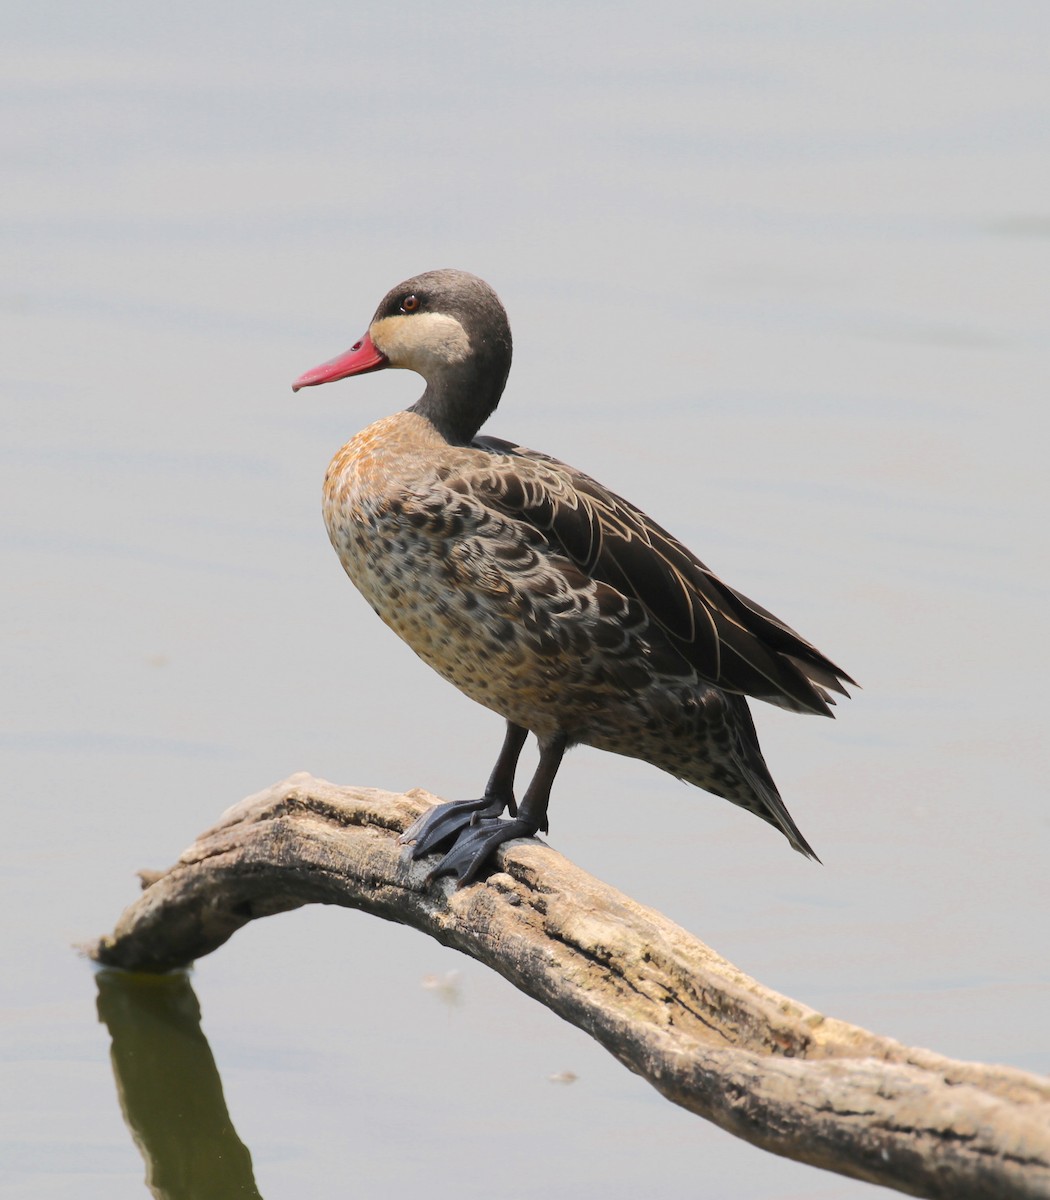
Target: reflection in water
[[169, 1088]]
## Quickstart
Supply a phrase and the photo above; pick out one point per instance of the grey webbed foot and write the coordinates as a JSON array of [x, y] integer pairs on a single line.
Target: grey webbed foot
[[471, 830], [438, 827], [476, 846]]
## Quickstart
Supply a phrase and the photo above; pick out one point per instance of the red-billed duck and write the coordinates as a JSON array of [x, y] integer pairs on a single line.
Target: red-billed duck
[[540, 593]]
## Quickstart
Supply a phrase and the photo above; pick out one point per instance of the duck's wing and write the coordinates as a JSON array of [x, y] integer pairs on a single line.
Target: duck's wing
[[731, 641]]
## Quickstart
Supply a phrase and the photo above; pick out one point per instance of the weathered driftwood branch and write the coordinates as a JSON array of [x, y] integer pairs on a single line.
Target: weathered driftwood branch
[[709, 1038]]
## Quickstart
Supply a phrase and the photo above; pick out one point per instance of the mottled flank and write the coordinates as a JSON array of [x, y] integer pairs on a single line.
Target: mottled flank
[[541, 594]]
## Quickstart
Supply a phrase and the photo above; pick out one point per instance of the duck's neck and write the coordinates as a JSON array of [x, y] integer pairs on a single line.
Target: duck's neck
[[461, 398]]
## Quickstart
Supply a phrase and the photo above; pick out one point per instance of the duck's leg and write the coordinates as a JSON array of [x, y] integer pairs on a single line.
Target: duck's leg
[[438, 827], [479, 840]]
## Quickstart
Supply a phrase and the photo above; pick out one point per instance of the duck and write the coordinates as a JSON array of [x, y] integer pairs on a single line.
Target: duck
[[542, 594]]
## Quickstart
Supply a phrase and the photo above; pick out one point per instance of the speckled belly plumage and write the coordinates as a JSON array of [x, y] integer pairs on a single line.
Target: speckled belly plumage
[[496, 609]]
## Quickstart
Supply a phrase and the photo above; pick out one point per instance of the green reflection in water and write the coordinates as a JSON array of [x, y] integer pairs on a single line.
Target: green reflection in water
[[169, 1088]]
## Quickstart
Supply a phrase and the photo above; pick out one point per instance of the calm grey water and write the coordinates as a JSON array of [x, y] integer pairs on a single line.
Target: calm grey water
[[779, 273]]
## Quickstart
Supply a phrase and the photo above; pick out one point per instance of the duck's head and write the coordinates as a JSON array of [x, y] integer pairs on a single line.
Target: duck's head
[[448, 326]]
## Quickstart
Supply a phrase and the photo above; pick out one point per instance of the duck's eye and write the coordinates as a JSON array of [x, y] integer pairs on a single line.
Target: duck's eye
[[410, 304]]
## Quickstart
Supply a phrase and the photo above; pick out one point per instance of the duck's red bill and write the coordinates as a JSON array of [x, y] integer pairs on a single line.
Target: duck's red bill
[[361, 357]]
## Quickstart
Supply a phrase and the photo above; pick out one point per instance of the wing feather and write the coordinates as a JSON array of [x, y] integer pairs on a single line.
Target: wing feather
[[730, 640]]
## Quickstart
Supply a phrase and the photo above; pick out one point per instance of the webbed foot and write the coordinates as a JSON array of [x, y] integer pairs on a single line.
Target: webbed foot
[[477, 844], [471, 830], [438, 827]]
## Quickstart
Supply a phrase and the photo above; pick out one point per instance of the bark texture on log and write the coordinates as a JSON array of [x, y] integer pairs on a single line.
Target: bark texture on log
[[713, 1040]]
